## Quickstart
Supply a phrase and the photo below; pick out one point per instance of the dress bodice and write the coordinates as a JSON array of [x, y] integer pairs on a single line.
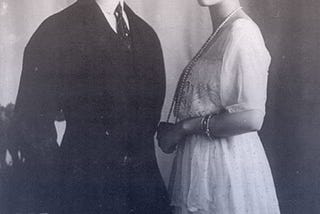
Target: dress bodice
[[201, 92], [230, 75]]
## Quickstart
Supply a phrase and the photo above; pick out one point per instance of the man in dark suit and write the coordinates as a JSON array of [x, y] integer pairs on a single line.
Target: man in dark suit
[[102, 66]]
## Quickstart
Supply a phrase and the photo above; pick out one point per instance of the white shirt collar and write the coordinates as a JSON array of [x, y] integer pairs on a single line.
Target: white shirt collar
[[111, 5]]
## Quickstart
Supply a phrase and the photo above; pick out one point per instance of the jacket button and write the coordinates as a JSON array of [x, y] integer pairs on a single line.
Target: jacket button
[[107, 133]]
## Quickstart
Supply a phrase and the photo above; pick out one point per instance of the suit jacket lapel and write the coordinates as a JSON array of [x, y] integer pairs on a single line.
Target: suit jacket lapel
[[107, 39], [101, 33], [139, 45], [103, 45]]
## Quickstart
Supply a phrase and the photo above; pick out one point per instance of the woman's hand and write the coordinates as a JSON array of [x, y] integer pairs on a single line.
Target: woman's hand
[[170, 135]]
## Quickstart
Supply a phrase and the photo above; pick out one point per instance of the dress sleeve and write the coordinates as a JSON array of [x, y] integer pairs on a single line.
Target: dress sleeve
[[244, 70]]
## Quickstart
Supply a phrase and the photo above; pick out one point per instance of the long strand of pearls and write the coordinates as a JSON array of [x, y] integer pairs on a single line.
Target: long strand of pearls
[[175, 106]]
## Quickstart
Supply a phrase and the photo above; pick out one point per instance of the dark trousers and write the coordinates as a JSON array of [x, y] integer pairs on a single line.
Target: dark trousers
[[113, 189]]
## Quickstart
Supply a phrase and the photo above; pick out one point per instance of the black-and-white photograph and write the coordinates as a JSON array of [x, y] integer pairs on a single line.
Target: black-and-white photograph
[[159, 107]]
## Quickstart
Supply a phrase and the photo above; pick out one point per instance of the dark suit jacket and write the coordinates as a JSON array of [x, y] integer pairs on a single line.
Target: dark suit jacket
[[111, 100]]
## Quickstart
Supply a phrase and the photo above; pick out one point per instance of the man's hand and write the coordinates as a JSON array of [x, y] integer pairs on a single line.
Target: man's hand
[[13, 158]]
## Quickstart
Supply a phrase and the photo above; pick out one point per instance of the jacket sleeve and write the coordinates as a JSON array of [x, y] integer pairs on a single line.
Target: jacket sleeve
[[159, 70], [33, 129]]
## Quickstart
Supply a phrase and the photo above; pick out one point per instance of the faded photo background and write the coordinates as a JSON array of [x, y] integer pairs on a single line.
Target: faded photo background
[[291, 132]]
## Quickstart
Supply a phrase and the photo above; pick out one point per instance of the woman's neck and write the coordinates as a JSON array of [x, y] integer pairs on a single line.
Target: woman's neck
[[221, 11]]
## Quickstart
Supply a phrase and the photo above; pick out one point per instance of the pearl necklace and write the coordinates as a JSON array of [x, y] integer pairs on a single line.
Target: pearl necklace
[[176, 102]]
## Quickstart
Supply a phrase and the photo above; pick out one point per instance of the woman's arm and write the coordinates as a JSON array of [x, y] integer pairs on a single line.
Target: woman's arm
[[222, 125], [226, 124]]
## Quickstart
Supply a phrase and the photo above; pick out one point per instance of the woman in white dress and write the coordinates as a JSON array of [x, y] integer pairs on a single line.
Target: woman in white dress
[[220, 165]]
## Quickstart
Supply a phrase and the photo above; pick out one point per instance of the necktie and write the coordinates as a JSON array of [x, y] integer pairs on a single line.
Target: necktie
[[122, 28]]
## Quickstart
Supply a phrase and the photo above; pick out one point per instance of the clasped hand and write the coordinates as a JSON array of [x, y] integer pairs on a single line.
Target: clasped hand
[[169, 136]]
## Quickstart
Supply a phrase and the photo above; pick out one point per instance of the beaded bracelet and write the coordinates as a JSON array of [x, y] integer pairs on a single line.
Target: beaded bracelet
[[208, 127], [205, 125], [202, 123]]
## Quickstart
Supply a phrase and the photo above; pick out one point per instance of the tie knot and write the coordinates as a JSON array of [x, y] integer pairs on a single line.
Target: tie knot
[[118, 11]]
